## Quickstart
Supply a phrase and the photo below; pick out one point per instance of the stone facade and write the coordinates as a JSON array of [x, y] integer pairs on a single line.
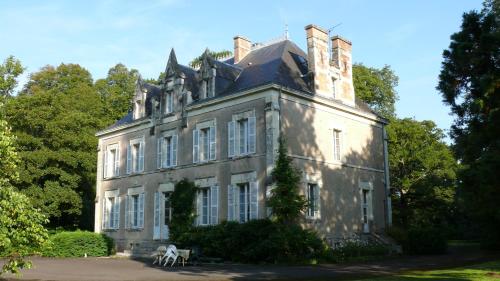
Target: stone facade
[[219, 126]]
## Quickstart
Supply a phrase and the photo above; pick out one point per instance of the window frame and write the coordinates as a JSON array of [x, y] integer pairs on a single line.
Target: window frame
[[135, 159], [115, 163]]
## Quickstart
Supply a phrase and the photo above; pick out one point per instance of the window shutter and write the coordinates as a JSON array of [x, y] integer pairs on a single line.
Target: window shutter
[[231, 139], [117, 161], [370, 205], [317, 200], [105, 163], [251, 134], [199, 207], [196, 147], [230, 203], [141, 156], [141, 211], [129, 158], [212, 143], [117, 212], [214, 204], [159, 153], [174, 150], [254, 202], [156, 228], [127, 211], [104, 213]]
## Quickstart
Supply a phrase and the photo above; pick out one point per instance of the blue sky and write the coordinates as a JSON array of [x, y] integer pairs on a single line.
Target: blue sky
[[407, 35]]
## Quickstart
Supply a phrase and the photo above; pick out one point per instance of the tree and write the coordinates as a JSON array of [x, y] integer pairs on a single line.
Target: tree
[[9, 71], [21, 226], [376, 87], [55, 118], [285, 201], [196, 62], [182, 201], [117, 90], [470, 84], [423, 173]]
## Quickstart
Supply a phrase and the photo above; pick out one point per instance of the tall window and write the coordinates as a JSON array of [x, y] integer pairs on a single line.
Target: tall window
[[112, 161], [204, 142], [241, 137], [169, 102], [167, 208], [167, 151], [207, 205], [111, 210], [135, 156], [337, 144], [244, 200], [313, 199]]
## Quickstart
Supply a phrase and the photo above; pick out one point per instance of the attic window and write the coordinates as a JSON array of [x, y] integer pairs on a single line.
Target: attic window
[[138, 109]]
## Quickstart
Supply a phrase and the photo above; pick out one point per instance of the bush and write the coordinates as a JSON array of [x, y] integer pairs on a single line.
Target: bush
[[420, 240], [355, 250], [77, 244], [255, 241]]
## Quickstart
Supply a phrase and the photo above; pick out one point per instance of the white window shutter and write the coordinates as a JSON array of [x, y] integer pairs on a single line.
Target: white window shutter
[[159, 153], [254, 202], [104, 213], [156, 228], [251, 134], [212, 143], [105, 163], [141, 211], [230, 203], [214, 204], [127, 212], [317, 200], [231, 139], [370, 205], [174, 150], [141, 156], [116, 212], [199, 207], [117, 163], [196, 146], [129, 158]]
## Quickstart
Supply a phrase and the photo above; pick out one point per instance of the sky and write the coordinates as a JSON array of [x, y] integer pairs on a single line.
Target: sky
[[409, 36]]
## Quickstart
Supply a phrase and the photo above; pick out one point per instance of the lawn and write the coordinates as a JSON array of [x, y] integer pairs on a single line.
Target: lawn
[[484, 271]]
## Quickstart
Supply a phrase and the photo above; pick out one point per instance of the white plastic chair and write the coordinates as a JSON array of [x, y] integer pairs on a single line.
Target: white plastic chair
[[159, 254], [171, 254]]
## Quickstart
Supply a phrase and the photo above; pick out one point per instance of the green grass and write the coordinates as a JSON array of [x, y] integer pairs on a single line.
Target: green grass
[[484, 271]]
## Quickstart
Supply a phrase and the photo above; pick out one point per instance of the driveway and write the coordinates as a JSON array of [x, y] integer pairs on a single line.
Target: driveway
[[127, 269]]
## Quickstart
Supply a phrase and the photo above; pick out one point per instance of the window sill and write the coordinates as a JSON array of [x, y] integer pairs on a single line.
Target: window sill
[[135, 229], [111, 229], [313, 219], [242, 156]]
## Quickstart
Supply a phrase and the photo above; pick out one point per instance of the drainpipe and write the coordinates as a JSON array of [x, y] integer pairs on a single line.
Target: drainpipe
[[388, 206]]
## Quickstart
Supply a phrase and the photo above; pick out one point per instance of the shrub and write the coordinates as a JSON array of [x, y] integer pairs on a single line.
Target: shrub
[[420, 240], [182, 203], [355, 250], [255, 241], [77, 244]]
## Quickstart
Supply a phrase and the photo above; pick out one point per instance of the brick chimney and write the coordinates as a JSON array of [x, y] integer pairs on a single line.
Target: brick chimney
[[242, 46], [342, 61], [318, 57]]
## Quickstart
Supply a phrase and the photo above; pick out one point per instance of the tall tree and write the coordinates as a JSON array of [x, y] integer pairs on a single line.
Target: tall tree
[[9, 71], [423, 173], [117, 90], [55, 118], [376, 87], [470, 84], [285, 201]]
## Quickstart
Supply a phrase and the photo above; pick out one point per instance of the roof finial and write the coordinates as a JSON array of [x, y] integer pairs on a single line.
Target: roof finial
[[286, 31]]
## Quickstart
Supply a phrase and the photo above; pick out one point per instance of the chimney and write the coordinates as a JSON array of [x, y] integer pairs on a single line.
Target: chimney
[[242, 46], [319, 60], [342, 60]]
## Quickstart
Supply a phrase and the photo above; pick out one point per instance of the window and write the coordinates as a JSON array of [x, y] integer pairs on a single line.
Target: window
[[204, 144], [364, 206], [167, 151], [162, 214], [241, 137], [137, 109], [169, 102], [313, 200], [167, 208], [111, 210], [134, 206], [366, 189], [336, 144], [207, 205], [242, 201], [112, 161], [135, 156]]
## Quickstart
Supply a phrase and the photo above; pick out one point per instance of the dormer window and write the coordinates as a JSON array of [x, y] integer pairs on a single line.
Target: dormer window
[[169, 102], [138, 109]]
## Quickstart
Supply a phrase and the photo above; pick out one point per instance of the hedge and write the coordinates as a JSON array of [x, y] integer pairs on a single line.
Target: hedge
[[78, 244]]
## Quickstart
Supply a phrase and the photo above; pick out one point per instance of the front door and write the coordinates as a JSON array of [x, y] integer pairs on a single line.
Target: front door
[[166, 216]]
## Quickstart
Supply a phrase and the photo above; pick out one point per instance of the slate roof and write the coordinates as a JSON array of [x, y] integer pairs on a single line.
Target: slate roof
[[282, 63]]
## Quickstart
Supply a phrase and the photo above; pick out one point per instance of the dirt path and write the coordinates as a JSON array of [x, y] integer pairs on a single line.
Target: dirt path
[[125, 269]]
